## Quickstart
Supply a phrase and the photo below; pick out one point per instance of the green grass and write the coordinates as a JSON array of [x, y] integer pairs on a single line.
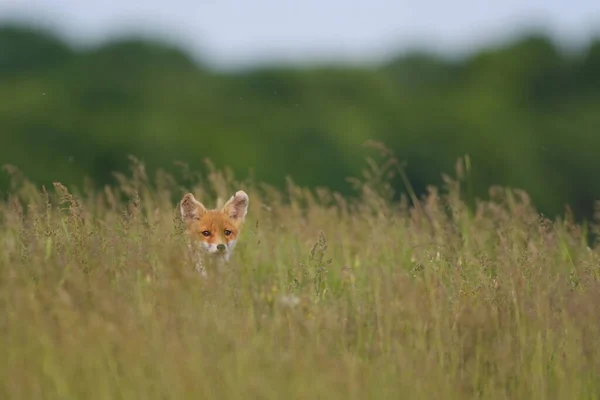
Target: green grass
[[98, 299]]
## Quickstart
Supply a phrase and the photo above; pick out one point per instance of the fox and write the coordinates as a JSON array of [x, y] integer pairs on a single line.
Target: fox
[[213, 233]]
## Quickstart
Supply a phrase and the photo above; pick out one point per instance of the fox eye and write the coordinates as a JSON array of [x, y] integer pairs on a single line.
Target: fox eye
[[227, 232], [206, 233]]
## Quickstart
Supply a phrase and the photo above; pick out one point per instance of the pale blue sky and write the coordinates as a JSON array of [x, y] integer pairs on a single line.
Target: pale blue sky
[[237, 32]]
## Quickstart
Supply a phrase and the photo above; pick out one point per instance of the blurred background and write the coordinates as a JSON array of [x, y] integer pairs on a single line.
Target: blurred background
[[276, 88]]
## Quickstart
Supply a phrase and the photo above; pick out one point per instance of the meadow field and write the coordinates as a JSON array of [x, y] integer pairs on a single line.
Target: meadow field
[[327, 297]]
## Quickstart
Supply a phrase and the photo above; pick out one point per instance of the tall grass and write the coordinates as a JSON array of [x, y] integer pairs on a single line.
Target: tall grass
[[326, 297]]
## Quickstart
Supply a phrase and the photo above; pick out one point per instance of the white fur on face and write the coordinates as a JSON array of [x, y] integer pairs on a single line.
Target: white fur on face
[[213, 251]]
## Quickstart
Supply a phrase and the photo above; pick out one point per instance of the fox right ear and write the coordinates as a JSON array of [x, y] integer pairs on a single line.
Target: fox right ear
[[237, 206], [191, 209]]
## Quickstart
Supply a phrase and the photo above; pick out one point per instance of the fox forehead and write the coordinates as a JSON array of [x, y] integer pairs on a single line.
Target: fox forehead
[[214, 220]]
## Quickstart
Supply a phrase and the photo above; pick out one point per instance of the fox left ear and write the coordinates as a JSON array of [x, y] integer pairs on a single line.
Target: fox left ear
[[191, 209], [237, 206]]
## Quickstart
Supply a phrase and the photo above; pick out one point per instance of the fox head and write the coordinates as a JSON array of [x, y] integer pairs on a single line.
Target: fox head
[[214, 232]]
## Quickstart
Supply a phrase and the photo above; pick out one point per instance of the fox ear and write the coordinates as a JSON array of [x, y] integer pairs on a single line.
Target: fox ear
[[237, 206], [191, 209]]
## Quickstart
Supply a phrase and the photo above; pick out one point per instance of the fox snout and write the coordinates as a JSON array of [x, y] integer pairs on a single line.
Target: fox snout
[[220, 250]]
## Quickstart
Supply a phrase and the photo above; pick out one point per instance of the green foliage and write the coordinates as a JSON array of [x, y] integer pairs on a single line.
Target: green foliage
[[26, 50], [525, 113]]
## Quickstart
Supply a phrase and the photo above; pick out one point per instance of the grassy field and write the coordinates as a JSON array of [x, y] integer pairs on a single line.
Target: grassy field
[[326, 297]]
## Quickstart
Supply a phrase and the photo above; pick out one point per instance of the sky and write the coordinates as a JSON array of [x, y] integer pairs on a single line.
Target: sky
[[233, 33]]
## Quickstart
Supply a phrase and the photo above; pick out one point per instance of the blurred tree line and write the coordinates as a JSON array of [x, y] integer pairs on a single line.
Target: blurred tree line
[[526, 113]]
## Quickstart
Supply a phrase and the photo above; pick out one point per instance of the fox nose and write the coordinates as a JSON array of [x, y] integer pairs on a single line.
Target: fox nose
[[221, 247]]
